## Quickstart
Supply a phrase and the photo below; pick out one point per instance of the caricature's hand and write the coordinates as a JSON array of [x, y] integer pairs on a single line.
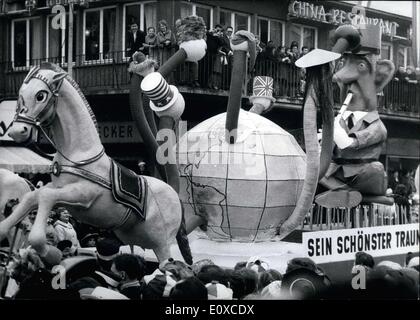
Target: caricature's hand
[[341, 139]]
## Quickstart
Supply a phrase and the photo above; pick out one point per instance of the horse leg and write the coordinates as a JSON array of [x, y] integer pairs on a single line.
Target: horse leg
[[72, 194], [162, 252], [28, 203]]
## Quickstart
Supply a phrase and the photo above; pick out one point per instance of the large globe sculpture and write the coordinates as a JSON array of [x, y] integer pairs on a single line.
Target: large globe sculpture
[[245, 190]]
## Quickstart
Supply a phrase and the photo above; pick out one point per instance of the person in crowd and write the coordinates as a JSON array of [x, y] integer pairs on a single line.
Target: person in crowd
[[209, 273], [251, 280], [294, 51], [229, 32], [214, 54], [66, 248], [364, 259], [190, 288], [304, 51], [400, 74], [107, 249], [179, 269], [64, 229], [196, 267], [165, 40], [394, 180], [131, 270], [266, 277], [259, 45], [411, 75], [304, 279], [282, 55], [218, 291], [135, 39], [89, 241], [150, 43], [237, 283]]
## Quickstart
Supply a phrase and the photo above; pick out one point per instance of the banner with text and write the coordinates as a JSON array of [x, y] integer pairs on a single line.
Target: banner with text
[[341, 245]]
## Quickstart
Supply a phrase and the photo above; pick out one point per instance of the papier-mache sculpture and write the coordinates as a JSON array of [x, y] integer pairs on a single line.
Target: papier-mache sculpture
[[359, 133], [262, 98]]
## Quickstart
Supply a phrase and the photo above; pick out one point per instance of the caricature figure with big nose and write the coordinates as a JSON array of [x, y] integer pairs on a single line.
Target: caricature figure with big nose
[[358, 130]]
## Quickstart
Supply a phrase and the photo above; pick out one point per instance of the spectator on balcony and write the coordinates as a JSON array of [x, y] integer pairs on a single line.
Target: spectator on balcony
[[304, 51], [394, 180], [214, 54], [229, 32], [135, 40], [282, 55], [165, 40], [294, 51], [400, 74], [411, 76], [150, 43]]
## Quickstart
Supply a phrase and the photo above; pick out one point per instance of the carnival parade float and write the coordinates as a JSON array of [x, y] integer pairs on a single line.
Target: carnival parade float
[[237, 183]]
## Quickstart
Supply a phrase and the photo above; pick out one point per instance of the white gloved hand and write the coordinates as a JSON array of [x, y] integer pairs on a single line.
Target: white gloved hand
[[341, 138]]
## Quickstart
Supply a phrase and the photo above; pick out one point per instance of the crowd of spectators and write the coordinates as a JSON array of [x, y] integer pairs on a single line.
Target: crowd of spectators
[[101, 267]]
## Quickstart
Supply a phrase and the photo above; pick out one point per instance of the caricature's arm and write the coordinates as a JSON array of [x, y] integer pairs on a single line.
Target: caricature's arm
[[373, 134]]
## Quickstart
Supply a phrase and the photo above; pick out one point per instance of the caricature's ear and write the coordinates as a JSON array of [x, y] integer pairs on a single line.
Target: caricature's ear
[[385, 70]]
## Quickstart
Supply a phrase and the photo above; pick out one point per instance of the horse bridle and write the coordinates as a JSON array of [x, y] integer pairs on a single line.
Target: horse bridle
[[39, 121]]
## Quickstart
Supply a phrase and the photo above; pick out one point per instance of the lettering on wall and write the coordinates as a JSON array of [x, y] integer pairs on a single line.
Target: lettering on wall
[[357, 16]]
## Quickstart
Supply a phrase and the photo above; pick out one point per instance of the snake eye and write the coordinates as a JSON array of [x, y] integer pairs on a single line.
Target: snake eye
[[41, 96]]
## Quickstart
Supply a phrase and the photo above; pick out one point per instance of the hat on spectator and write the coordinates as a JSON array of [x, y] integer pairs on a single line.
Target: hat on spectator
[[302, 283], [272, 291], [255, 263], [414, 262], [107, 249], [304, 263], [262, 88], [218, 291], [196, 267], [158, 285], [390, 264], [101, 293]]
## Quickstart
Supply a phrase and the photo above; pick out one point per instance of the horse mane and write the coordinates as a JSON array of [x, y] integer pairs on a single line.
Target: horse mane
[[56, 68]]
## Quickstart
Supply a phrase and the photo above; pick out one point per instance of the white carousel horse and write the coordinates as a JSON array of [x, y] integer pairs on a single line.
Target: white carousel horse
[[84, 178]]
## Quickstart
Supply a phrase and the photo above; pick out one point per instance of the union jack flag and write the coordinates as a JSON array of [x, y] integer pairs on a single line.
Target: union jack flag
[[263, 86]]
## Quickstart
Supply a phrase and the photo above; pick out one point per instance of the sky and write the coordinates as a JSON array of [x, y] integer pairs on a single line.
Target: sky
[[403, 8]]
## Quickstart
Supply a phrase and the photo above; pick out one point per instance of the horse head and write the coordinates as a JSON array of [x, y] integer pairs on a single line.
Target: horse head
[[37, 102]]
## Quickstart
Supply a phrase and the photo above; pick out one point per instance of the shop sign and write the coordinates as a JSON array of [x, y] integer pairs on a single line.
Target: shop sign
[[342, 245], [52, 3], [115, 132], [311, 11]]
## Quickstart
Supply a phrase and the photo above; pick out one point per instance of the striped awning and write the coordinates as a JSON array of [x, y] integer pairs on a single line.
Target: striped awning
[[23, 160]]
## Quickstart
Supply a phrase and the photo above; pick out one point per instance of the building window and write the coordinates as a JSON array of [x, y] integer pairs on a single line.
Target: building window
[[402, 55], [99, 33], [269, 29], [57, 42], [386, 51], [188, 8], [238, 21], [304, 36], [144, 14], [26, 42]]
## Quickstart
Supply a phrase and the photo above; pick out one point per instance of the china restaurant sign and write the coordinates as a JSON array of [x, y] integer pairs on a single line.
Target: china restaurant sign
[[357, 16]]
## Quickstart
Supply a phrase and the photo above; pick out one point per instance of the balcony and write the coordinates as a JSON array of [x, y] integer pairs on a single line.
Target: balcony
[[110, 76]]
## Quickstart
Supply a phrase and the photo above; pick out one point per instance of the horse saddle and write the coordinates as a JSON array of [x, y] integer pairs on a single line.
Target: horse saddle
[[129, 189]]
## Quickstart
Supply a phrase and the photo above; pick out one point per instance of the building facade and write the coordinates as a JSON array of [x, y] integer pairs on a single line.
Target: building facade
[[31, 34]]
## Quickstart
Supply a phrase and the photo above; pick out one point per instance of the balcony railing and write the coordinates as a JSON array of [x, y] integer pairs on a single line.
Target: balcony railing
[[110, 75]]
